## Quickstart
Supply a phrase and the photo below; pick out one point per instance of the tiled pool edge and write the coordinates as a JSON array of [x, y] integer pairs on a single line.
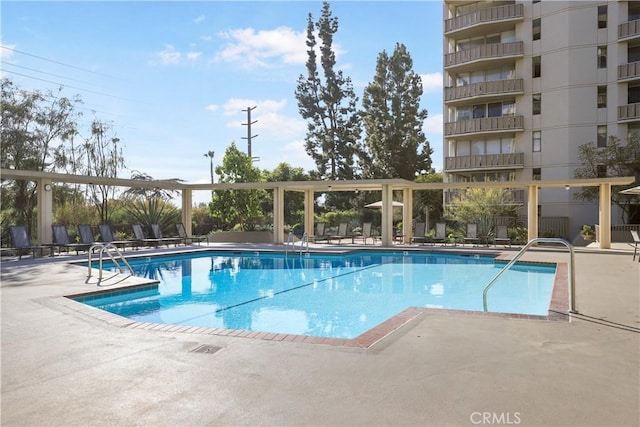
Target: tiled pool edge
[[559, 305]]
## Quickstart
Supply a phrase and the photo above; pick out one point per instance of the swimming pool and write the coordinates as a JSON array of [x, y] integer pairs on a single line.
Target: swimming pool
[[324, 295]]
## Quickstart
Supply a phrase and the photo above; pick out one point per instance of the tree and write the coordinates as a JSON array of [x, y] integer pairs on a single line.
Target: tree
[[616, 159], [237, 207], [34, 129], [151, 205], [293, 200], [428, 200], [482, 206], [327, 100], [393, 119]]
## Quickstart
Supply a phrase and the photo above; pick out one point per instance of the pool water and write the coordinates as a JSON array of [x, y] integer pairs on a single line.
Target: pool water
[[338, 296]]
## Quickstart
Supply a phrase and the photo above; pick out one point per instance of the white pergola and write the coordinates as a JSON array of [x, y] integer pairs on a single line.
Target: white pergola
[[386, 186]]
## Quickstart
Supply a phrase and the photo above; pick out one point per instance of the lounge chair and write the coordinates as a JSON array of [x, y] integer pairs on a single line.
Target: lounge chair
[[86, 234], [367, 234], [471, 234], [341, 234], [22, 242], [157, 234], [320, 235], [419, 233], [182, 232], [441, 233], [502, 235], [106, 236], [636, 244], [141, 238], [61, 240]]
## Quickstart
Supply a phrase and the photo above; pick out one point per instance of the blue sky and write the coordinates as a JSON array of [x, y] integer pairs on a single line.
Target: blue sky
[[174, 77]]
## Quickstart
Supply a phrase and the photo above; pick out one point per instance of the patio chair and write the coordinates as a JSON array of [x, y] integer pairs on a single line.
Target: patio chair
[[157, 234], [471, 234], [441, 233], [61, 240], [106, 236], [636, 244], [141, 238], [182, 232], [367, 233], [22, 242], [320, 235], [502, 235], [341, 234], [419, 233]]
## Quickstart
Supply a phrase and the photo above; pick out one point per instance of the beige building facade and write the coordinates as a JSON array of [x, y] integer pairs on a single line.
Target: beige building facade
[[527, 83]]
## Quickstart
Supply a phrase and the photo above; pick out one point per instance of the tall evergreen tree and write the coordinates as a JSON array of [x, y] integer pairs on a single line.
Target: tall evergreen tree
[[327, 100], [393, 119]]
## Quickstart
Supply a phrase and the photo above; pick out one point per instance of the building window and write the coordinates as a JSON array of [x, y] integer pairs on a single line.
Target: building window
[[601, 170], [602, 57], [602, 136], [602, 97], [537, 141], [537, 174], [537, 66], [602, 16], [536, 29], [537, 103]]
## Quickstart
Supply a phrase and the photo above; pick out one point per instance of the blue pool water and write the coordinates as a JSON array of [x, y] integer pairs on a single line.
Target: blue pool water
[[325, 295]]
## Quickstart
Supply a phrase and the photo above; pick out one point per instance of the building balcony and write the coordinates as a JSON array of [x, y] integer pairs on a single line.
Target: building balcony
[[516, 196], [485, 125], [472, 23], [493, 52], [629, 113], [484, 90], [629, 30], [484, 161], [629, 72]]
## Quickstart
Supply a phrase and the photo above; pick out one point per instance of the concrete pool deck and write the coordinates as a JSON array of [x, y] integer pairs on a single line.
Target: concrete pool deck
[[63, 367]]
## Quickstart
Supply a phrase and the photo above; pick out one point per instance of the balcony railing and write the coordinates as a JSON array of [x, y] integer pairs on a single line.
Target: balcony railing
[[487, 124], [629, 112], [483, 16], [484, 161], [515, 195], [484, 52], [629, 71], [629, 30], [483, 89]]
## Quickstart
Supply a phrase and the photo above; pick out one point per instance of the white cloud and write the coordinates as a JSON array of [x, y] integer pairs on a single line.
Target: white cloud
[[265, 48], [199, 19], [212, 107], [433, 124], [206, 38], [431, 83], [193, 55], [169, 55]]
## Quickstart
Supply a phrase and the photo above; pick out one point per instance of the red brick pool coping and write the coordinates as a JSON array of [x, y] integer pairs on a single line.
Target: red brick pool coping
[[558, 311]]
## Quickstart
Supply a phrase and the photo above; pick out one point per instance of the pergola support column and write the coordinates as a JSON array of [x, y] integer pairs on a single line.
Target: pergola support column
[[387, 215], [45, 211], [308, 213], [532, 212], [605, 216], [278, 215], [407, 214], [187, 203]]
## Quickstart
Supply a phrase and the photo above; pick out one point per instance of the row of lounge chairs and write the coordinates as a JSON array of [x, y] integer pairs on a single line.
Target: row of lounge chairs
[[62, 241], [471, 236]]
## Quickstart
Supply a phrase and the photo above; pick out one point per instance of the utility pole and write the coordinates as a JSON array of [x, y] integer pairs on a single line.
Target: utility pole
[[248, 125]]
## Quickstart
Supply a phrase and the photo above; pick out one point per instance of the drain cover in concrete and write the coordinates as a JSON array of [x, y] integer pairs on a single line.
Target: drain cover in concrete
[[204, 348]]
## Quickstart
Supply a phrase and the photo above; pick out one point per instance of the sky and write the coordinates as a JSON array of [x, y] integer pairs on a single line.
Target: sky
[[173, 78]]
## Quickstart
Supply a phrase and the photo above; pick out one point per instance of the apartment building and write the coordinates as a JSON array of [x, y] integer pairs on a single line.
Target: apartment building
[[527, 83]]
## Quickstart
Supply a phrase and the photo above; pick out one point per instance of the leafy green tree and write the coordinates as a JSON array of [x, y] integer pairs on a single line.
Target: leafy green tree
[[393, 119], [237, 207], [428, 200], [616, 159], [151, 205], [482, 206], [293, 200], [327, 100], [34, 129]]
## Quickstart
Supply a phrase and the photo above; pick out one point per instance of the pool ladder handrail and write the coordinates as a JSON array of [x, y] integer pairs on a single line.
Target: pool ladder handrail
[[105, 248], [304, 239], [572, 274]]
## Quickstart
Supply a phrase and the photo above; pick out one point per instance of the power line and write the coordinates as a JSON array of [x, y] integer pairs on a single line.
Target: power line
[[49, 74], [56, 62]]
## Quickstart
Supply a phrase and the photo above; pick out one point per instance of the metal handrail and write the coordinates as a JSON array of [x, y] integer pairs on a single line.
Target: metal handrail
[[303, 240], [286, 248], [572, 274], [105, 248]]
